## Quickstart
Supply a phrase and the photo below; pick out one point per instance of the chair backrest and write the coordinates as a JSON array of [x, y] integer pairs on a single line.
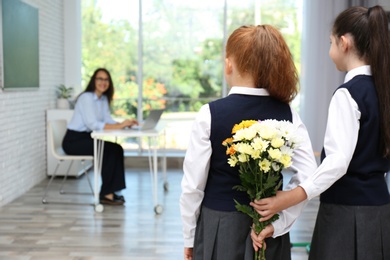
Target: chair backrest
[[57, 130]]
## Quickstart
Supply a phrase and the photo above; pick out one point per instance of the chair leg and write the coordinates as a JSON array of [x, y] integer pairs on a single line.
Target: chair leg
[[44, 201], [65, 178], [89, 181]]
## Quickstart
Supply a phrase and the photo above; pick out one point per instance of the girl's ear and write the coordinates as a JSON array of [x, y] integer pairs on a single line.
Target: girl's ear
[[228, 66], [345, 42]]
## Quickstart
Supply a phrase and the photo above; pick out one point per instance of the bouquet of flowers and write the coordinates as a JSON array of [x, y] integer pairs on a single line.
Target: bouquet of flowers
[[261, 150]]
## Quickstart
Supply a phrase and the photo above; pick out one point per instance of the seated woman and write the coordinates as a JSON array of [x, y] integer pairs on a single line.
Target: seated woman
[[92, 112]]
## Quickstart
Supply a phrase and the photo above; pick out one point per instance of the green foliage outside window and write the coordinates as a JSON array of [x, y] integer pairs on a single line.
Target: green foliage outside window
[[125, 107], [177, 62]]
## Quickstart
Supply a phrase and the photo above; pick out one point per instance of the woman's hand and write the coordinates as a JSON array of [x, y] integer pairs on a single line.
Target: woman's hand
[[188, 253], [125, 123], [128, 123], [258, 240]]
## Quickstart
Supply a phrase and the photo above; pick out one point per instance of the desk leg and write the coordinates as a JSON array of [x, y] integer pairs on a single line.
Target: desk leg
[[164, 165], [98, 149], [153, 172]]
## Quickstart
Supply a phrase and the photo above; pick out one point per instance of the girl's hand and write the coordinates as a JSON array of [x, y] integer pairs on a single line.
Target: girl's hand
[[258, 240], [283, 200], [269, 206], [188, 253]]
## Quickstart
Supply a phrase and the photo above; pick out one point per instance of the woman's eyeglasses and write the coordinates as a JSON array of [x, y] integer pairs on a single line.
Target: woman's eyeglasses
[[102, 79]]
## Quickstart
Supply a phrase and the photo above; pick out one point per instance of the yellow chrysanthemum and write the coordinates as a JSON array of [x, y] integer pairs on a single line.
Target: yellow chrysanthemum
[[243, 124], [286, 160], [265, 165], [275, 154]]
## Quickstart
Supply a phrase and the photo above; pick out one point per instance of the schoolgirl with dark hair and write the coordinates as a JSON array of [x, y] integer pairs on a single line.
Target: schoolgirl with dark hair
[[353, 220]]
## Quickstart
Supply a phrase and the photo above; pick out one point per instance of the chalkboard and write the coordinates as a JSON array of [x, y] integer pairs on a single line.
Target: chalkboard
[[20, 45]]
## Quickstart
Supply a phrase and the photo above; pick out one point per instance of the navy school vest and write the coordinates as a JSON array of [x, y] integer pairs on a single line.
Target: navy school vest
[[225, 112], [364, 183]]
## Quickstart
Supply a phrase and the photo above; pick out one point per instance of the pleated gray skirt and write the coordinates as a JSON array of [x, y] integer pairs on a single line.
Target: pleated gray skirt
[[223, 235], [351, 233]]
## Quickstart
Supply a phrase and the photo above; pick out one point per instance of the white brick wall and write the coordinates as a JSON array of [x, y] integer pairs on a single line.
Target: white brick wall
[[22, 113]]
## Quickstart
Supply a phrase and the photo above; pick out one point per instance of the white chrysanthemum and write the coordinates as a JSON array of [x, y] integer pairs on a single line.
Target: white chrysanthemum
[[260, 144], [238, 136], [277, 142], [295, 140], [275, 154], [267, 132], [242, 158], [256, 154], [277, 138], [288, 130], [255, 127], [265, 165], [275, 166], [285, 150], [244, 148], [244, 134], [232, 161], [275, 124]]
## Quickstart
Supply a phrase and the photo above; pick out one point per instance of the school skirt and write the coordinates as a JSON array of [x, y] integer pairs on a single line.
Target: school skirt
[[224, 235], [351, 233]]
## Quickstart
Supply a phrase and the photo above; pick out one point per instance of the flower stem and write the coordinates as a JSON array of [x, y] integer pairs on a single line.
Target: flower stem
[[262, 257]]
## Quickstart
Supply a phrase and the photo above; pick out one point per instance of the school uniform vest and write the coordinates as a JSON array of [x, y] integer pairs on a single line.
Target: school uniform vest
[[364, 182], [225, 112]]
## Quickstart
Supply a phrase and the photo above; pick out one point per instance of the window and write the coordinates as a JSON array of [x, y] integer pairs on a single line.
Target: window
[[174, 59]]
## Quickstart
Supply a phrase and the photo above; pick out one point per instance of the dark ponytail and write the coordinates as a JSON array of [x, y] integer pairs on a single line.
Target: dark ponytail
[[379, 59], [369, 28]]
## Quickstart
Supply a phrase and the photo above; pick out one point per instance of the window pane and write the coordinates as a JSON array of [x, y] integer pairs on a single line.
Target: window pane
[[182, 51]]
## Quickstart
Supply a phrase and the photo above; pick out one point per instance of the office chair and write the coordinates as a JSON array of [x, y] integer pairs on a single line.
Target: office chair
[[56, 132]]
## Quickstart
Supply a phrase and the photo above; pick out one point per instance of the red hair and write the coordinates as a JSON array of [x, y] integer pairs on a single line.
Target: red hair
[[262, 52]]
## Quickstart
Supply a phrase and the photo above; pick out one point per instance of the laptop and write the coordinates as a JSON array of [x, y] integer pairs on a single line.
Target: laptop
[[151, 121]]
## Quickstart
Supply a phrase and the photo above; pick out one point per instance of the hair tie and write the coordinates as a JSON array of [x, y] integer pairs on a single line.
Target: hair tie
[[369, 11]]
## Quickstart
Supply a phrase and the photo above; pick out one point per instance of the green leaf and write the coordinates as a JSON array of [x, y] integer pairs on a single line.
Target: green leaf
[[245, 209], [239, 188]]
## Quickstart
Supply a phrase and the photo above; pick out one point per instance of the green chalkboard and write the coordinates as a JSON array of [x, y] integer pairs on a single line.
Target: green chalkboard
[[20, 45]]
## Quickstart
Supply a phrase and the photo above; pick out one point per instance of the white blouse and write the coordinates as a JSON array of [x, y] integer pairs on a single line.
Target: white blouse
[[339, 145], [90, 113]]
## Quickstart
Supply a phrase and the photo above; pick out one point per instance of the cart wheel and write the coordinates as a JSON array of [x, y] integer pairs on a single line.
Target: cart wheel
[[99, 208], [166, 186], [158, 209]]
